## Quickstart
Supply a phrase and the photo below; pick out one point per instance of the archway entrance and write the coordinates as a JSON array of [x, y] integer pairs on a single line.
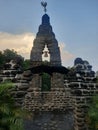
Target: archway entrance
[[46, 54]]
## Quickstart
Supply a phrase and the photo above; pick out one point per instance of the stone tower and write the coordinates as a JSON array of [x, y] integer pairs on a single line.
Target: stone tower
[[45, 38], [57, 97]]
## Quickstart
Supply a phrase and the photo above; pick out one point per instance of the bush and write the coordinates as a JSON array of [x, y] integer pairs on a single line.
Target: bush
[[92, 116], [11, 116]]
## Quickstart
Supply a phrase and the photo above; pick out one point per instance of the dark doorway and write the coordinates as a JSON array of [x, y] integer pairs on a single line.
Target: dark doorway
[[46, 82]]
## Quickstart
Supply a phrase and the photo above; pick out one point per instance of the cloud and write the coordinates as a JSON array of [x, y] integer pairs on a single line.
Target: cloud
[[22, 43], [66, 56]]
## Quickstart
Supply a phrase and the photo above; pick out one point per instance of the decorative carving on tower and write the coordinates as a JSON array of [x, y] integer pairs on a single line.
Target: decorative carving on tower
[[45, 36]]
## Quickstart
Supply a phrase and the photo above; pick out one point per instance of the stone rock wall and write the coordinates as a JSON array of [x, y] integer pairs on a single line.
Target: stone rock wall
[[10, 70], [50, 121], [57, 98], [82, 94], [69, 93]]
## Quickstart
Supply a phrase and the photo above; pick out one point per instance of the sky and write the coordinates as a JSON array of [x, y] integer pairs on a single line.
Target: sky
[[74, 22]]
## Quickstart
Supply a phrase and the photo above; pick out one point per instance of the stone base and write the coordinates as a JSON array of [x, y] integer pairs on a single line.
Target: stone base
[[50, 121]]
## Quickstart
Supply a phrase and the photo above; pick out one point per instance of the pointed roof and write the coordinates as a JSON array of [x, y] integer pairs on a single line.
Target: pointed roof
[[45, 36], [45, 19]]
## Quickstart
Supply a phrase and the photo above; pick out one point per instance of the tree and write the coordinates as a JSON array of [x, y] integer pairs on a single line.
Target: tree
[[1, 59], [92, 117], [12, 55], [8, 55], [26, 64], [11, 116]]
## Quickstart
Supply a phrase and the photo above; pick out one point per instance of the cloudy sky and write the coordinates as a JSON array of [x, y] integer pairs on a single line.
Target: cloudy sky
[[74, 22]]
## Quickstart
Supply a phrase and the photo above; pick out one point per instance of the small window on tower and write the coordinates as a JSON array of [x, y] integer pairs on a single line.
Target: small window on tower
[[46, 54]]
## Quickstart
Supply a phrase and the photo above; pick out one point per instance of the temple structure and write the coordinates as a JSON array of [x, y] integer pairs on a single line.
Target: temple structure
[[45, 38], [57, 97]]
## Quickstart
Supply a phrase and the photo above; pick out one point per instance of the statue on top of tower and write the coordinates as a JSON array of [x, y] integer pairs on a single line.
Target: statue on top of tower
[[44, 4]]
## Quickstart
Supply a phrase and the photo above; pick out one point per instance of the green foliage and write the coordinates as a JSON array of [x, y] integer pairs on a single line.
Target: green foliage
[[46, 82], [93, 114], [12, 55], [26, 64], [45, 63], [97, 79], [8, 55], [1, 59], [11, 116]]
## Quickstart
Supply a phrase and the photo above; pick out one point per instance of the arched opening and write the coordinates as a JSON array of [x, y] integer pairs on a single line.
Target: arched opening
[[46, 82], [45, 54]]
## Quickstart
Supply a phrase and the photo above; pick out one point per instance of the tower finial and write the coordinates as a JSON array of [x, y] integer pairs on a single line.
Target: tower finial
[[44, 4]]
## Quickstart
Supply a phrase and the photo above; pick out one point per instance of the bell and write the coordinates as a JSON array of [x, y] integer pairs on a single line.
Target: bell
[[45, 54]]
